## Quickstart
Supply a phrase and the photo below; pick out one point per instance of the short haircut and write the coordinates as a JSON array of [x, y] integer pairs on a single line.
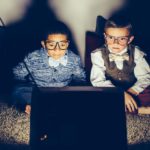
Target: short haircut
[[119, 22], [57, 28]]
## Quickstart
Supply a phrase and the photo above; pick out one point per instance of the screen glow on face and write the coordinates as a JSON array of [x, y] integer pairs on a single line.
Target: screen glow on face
[[56, 45]]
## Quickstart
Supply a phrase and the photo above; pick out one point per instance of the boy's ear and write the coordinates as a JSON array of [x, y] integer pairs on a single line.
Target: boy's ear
[[68, 44], [43, 44], [130, 39], [104, 34]]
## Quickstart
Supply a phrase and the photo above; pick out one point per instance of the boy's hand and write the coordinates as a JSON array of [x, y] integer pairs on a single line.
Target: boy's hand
[[28, 109], [130, 104]]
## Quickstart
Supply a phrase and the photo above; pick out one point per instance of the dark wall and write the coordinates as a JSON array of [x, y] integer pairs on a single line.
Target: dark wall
[[138, 12]]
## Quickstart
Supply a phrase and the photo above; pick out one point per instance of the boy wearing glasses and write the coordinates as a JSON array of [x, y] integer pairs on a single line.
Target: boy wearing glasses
[[118, 63], [54, 65]]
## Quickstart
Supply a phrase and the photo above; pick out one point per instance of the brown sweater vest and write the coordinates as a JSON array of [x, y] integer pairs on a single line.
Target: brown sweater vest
[[124, 78]]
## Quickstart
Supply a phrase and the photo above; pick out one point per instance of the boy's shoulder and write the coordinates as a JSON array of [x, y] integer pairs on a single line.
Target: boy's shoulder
[[139, 51], [73, 59], [98, 50], [96, 54], [71, 54], [35, 54]]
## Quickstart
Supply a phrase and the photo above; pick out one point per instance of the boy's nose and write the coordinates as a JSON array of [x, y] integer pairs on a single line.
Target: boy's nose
[[116, 40], [57, 47]]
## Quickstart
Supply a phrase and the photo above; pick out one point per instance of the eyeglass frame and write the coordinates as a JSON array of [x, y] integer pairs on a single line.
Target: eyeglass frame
[[117, 38], [57, 43]]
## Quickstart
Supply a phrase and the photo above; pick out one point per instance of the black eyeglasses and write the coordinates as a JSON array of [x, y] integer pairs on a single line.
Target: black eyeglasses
[[51, 45], [122, 40]]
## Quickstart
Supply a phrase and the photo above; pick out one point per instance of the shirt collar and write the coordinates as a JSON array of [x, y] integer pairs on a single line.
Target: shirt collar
[[55, 63]]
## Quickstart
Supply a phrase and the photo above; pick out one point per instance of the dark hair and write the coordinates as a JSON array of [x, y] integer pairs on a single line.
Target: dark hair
[[119, 22], [57, 28]]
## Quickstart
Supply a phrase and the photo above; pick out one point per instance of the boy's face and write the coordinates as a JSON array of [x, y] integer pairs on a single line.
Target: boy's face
[[117, 39], [56, 45]]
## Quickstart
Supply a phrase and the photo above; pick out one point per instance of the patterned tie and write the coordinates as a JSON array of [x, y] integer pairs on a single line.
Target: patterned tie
[[116, 57]]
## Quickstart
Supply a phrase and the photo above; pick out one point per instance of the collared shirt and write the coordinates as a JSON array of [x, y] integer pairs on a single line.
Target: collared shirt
[[141, 70], [46, 75]]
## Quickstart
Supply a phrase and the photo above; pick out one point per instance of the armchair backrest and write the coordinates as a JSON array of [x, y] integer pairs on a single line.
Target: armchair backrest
[[93, 41]]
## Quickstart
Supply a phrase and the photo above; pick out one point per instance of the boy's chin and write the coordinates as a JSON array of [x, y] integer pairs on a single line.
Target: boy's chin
[[56, 57], [116, 50]]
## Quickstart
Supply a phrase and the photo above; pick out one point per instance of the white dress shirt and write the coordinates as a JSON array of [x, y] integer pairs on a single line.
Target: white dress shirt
[[141, 70]]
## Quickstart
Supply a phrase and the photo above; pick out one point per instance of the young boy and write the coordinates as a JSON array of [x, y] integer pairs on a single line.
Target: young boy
[[118, 63], [54, 65]]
